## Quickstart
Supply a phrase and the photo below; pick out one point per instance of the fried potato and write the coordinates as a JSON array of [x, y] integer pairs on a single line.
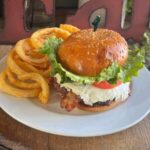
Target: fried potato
[[40, 66], [24, 85], [69, 28], [38, 37], [35, 54], [13, 66], [22, 46], [25, 66], [29, 68], [9, 89], [44, 94]]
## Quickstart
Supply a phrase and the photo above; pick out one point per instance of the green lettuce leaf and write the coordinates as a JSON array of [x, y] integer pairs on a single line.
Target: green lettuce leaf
[[145, 45], [49, 48], [111, 74], [134, 64]]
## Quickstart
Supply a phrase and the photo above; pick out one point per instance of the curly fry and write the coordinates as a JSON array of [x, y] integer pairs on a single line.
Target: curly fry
[[44, 94], [9, 89], [14, 81], [38, 37], [30, 68], [13, 65], [68, 27], [34, 53], [40, 66], [22, 46]]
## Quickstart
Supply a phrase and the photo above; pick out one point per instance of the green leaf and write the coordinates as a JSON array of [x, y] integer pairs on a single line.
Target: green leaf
[[50, 48], [133, 65], [51, 45], [111, 74], [145, 46]]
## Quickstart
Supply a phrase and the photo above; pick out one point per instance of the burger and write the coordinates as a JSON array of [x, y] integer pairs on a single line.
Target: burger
[[92, 70]]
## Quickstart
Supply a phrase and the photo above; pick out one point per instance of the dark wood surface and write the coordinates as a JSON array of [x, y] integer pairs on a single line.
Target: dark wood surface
[[134, 138]]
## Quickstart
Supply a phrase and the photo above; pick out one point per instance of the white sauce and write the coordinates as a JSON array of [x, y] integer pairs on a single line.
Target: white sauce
[[90, 94]]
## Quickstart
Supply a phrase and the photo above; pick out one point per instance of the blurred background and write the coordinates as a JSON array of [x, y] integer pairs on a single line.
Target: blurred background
[[35, 14], [36, 17]]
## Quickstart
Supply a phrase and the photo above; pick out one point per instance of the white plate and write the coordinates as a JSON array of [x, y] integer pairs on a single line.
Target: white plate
[[52, 119]]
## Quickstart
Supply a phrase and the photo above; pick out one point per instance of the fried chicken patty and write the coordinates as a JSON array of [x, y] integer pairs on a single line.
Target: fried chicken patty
[[87, 52]]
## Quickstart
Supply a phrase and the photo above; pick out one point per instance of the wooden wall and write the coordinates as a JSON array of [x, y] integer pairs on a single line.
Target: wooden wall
[[66, 3], [37, 18]]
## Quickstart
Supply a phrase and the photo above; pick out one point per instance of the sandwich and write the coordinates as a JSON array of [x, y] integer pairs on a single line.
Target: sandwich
[[92, 70]]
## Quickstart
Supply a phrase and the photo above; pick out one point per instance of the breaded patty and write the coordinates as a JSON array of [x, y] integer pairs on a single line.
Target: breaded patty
[[87, 52]]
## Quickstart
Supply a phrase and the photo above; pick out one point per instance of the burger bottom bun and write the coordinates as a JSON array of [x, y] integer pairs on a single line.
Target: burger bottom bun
[[99, 108]]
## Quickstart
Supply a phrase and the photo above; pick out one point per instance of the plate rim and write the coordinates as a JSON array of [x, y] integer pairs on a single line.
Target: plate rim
[[77, 135], [68, 134]]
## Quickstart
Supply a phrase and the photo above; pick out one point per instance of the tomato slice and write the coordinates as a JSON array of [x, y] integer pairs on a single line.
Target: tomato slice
[[106, 85]]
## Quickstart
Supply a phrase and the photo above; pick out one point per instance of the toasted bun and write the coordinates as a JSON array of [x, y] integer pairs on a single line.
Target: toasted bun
[[87, 52], [98, 108]]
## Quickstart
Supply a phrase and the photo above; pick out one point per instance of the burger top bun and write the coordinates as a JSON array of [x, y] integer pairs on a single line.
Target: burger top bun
[[87, 52]]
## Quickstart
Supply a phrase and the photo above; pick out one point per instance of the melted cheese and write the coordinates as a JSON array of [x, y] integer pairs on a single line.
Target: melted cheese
[[90, 94]]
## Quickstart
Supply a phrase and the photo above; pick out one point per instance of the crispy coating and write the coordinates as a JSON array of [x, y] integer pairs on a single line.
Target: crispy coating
[[87, 53]]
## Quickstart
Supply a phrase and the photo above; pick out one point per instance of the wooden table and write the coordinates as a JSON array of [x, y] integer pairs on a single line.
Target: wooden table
[[135, 138]]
